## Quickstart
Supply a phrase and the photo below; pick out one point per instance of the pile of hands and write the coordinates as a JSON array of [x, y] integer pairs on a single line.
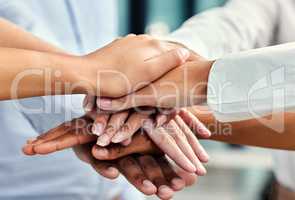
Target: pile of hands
[[140, 129]]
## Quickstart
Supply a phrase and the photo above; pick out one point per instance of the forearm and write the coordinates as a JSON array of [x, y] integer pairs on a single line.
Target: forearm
[[27, 73], [12, 36], [253, 132]]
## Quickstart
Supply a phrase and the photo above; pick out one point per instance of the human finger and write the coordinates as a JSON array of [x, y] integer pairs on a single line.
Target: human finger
[[154, 173], [180, 138], [131, 126], [130, 168], [115, 123], [168, 145], [193, 140]]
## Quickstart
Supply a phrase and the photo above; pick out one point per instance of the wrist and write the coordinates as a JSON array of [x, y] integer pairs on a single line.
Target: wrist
[[69, 74], [201, 73], [208, 64]]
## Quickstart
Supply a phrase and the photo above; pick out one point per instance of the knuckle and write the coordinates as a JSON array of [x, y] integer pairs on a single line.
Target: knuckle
[[159, 180], [144, 37], [176, 56], [163, 139], [126, 128], [127, 162], [176, 134], [112, 154], [138, 177], [149, 162], [157, 44], [110, 128]]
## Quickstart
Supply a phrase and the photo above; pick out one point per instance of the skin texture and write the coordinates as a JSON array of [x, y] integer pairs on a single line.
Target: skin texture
[[174, 138], [127, 64], [21, 50], [31, 52], [12, 36], [151, 175], [142, 144], [26, 72], [240, 134], [135, 162], [250, 132], [181, 87]]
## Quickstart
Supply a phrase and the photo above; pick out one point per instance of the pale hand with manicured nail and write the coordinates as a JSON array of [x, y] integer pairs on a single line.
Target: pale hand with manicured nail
[[175, 139]]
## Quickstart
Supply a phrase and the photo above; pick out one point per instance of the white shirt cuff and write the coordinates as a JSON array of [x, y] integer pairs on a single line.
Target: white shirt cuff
[[252, 84]]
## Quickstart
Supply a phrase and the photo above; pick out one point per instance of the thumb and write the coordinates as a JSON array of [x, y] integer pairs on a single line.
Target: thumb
[[150, 96], [137, 99]]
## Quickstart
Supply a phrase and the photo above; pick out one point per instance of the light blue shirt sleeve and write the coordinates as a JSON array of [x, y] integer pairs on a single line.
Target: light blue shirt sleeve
[[43, 113]]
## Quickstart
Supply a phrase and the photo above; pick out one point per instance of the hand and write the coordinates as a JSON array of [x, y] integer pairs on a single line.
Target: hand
[[175, 139], [129, 64], [150, 175], [182, 87], [118, 127]]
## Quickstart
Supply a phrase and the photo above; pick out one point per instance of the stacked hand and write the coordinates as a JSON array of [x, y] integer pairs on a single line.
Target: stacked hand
[[141, 162], [134, 140]]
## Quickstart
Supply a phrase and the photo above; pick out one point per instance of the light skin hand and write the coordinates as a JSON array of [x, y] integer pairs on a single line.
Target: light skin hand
[[129, 63], [117, 127], [125, 63], [175, 139], [181, 87], [172, 135]]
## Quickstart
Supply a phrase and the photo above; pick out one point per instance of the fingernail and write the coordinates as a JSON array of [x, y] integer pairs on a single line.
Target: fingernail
[[112, 170], [103, 141], [161, 119], [104, 104], [102, 153], [204, 131], [165, 191], [119, 137], [87, 105], [127, 142], [191, 167], [205, 156], [97, 129], [147, 183], [184, 53], [201, 171]]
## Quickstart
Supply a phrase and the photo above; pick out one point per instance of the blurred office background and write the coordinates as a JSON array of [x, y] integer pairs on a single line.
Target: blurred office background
[[234, 172]]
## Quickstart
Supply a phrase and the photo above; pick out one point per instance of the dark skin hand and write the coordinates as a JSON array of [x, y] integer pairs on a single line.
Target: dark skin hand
[[150, 174]]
